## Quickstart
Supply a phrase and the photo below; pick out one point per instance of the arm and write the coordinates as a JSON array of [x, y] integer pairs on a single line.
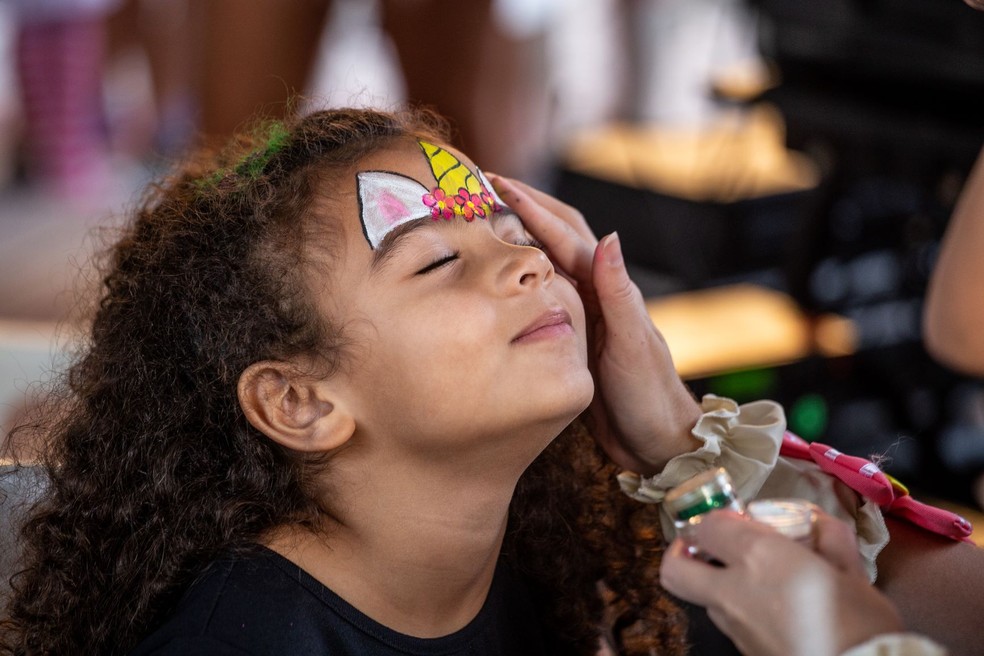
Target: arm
[[936, 585], [953, 320]]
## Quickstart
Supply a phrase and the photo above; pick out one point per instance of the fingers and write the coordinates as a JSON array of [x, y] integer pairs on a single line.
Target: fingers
[[726, 535], [723, 535], [554, 224], [836, 542], [622, 304], [689, 578], [569, 214]]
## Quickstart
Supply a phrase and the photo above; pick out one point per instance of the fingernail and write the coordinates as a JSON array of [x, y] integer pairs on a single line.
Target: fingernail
[[613, 250]]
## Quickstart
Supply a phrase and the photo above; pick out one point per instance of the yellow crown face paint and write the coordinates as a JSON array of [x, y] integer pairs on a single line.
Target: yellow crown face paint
[[388, 200]]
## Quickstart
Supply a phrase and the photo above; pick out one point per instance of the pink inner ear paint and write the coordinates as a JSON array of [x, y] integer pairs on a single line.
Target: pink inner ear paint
[[392, 208], [388, 199]]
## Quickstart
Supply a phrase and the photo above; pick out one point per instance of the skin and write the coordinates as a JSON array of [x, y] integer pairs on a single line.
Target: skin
[[953, 318], [445, 389], [936, 585]]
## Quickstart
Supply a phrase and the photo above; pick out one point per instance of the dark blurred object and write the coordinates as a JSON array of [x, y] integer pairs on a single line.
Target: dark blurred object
[[887, 95], [699, 203], [695, 242], [910, 55]]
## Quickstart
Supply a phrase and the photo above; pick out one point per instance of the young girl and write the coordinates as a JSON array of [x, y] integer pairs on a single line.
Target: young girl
[[319, 413]]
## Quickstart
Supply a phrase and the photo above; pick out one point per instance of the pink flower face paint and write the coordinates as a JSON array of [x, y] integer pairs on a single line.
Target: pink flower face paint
[[388, 200]]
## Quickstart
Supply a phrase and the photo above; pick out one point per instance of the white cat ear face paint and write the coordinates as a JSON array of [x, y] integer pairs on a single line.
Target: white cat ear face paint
[[387, 200]]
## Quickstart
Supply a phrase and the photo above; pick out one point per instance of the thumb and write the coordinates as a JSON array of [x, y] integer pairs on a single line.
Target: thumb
[[621, 302], [837, 543]]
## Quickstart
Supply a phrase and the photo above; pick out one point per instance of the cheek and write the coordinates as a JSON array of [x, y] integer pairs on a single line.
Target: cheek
[[425, 367], [449, 338], [566, 292]]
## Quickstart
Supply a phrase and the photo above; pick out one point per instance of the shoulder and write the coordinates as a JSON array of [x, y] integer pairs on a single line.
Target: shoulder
[[263, 604], [257, 603]]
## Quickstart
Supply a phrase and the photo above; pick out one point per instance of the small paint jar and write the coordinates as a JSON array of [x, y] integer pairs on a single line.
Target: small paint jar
[[793, 518], [689, 501]]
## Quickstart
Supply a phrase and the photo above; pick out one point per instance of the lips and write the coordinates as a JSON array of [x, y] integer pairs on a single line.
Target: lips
[[552, 323]]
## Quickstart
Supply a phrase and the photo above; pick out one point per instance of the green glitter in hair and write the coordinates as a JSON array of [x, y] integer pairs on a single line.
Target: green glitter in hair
[[254, 163]]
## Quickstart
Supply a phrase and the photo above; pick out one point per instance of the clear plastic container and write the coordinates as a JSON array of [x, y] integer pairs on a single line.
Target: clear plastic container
[[793, 518]]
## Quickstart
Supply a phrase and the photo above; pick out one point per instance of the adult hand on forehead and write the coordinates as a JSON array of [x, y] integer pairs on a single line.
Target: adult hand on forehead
[[642, 412]]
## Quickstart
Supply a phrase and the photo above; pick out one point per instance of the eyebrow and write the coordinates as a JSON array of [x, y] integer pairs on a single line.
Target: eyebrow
[[392, 242]]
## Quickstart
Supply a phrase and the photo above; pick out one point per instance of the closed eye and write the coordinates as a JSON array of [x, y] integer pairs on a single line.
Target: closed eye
[[437, 264]]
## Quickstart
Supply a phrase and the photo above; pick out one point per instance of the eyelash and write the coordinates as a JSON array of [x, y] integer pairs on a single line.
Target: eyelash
[[448, 259], [437, 264]]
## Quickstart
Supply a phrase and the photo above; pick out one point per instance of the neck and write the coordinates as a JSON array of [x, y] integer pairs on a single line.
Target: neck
[[416, 544]]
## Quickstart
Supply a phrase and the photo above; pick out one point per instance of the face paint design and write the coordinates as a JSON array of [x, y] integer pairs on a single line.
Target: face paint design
[[388, 200]]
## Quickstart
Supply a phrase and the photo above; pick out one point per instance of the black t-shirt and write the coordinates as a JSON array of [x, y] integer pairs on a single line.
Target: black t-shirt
[[265, 604]]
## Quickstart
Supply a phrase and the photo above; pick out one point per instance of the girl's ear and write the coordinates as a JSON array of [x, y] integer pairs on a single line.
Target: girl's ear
[[292, 409]]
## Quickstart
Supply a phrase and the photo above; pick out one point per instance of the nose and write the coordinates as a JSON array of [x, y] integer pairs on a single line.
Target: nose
[[526, 267]]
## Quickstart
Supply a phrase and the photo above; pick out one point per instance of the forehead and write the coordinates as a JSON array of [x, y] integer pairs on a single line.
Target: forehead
[[406, 157], [411, 182], [403, 157]]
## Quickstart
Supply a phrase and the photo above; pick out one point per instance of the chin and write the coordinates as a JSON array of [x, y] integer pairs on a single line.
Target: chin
[[573, 399]]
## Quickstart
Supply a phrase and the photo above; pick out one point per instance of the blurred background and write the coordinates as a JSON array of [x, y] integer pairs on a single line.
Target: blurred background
[[780, 171]]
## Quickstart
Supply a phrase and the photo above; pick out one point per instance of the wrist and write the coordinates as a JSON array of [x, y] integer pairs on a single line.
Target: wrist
[[744, 439], [675, 436]]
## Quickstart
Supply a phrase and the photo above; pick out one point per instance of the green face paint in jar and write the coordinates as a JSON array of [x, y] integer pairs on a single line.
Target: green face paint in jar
[[708, 491]]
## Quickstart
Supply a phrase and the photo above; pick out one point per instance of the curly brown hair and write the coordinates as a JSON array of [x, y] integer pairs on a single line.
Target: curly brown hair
[[154, 472]]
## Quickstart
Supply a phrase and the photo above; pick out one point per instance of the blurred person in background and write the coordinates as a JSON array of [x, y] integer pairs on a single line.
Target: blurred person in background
[[150, 85], [954, 314], [60, 52], [953, 318], [481, 63]]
